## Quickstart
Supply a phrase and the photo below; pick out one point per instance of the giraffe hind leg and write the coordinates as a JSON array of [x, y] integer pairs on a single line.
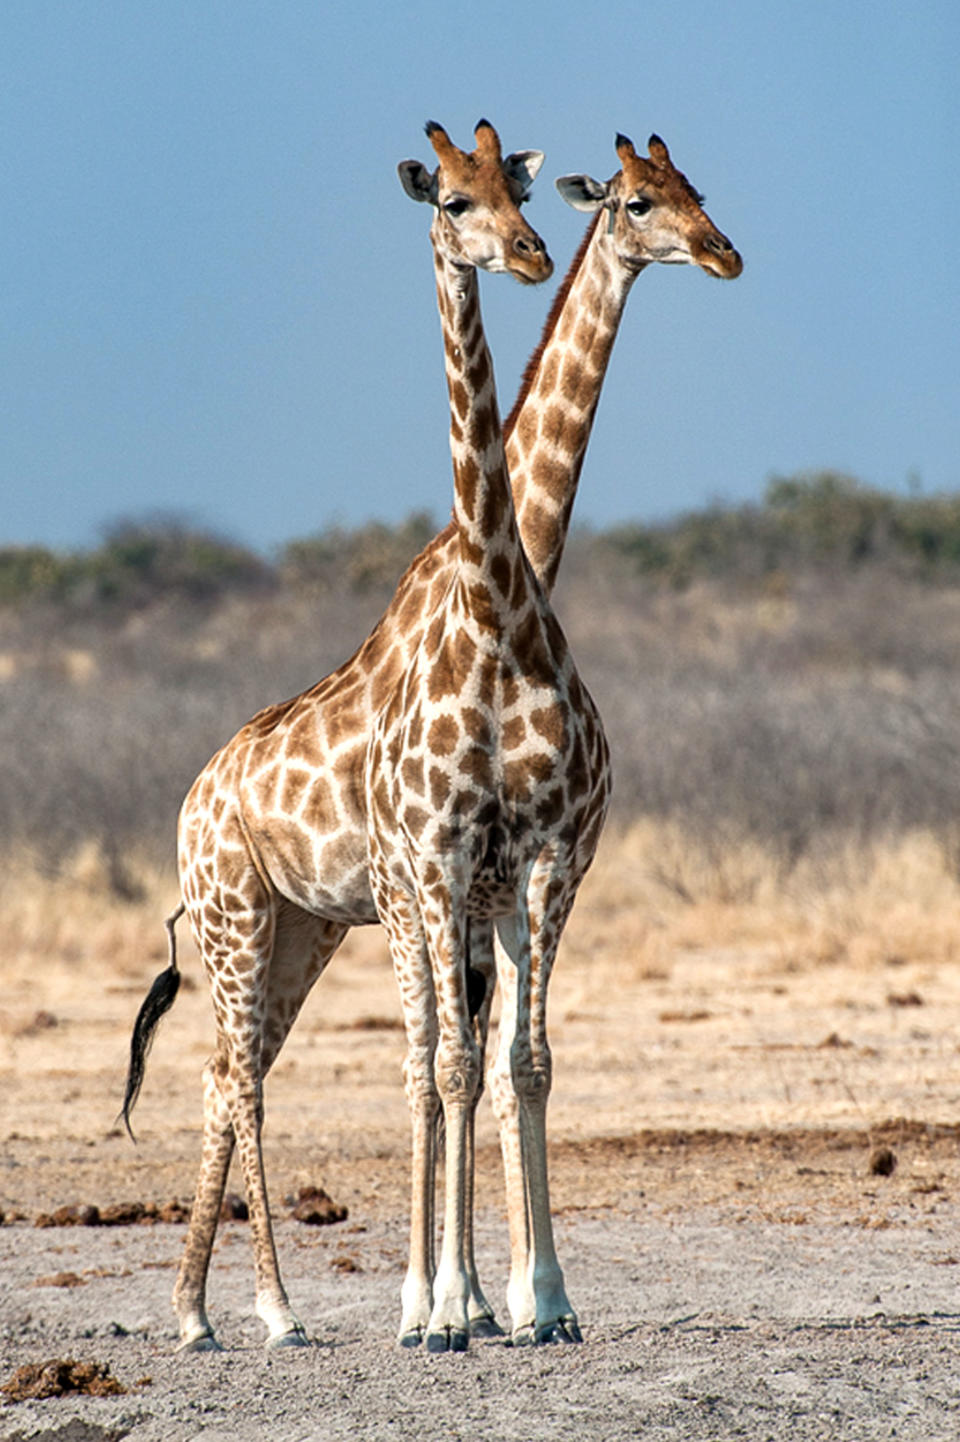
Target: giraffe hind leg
[[302, 947], [189, 1294], [237, 955], [539, 1307]]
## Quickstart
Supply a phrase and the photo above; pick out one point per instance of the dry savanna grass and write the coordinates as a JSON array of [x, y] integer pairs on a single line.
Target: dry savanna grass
[[653, 893], [767, 939], [683, 996]]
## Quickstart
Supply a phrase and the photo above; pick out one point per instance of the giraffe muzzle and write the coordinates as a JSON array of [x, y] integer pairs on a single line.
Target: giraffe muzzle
[[531, 263], [721, 260]]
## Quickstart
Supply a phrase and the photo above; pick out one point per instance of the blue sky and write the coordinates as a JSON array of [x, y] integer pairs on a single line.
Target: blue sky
[[217, 302]]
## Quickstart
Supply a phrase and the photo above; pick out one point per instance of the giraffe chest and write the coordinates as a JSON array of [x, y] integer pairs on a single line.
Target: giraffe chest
[[480, 793]]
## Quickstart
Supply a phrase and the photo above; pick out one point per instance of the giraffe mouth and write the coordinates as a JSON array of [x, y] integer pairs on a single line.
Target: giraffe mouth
[[718, 258], [531, 271]]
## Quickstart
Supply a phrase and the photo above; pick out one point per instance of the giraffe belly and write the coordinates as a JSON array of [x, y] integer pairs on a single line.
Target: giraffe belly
[[328, 880], [351, 902]]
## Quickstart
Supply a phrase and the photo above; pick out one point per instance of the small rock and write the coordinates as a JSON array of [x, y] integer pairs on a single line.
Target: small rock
[[883, 1162], [234, 1209], [834, 1041]]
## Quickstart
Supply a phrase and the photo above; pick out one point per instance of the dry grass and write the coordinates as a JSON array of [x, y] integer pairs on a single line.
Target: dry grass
[[786, 759], [823, 1002], [74, 922], [653, 893]]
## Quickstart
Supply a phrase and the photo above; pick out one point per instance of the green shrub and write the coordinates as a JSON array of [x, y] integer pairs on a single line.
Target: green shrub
[[363, 559]]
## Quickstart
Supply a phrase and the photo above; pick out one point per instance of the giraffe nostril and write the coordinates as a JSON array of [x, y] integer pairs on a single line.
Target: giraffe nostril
[[718, 243], [528, 245]]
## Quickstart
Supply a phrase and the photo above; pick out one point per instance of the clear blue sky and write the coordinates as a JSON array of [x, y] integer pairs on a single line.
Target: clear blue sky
[[216, 301]]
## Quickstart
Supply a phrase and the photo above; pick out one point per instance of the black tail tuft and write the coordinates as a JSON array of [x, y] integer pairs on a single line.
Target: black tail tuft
[[159, 1000]]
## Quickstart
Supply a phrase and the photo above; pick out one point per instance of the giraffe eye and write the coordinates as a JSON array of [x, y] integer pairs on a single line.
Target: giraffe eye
[[457, 205], [639, 205]]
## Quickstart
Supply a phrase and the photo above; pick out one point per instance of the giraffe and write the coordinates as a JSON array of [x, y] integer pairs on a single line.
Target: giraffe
[[487, 783], [652, 215], [277, 817], [263, 918]]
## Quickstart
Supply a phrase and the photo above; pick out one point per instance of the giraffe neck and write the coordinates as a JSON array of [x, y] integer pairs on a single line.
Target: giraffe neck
[[547, 431], [490, 556]]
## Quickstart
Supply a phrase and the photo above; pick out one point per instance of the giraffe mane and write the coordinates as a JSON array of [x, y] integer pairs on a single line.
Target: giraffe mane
[[550, 325]]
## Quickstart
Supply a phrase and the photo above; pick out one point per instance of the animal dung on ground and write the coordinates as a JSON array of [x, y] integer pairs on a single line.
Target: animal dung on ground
[[344, 1262], [60, 1279], [315, 1207], [118, 1214], [58, 1377]]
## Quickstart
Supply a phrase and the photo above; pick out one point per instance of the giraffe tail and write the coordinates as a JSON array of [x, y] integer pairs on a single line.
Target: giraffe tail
[[159, 1000]]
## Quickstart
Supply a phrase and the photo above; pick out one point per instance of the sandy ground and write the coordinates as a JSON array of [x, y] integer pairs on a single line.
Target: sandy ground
[[738, 1269]]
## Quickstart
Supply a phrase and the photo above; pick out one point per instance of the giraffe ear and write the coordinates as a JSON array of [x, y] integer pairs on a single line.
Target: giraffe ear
[[522, 168], [418, 181], [582, 191]]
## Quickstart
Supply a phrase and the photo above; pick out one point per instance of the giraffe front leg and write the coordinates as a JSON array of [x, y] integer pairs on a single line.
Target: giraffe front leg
[[449, 1327], [521, 1302], [551, 1318], [458, 1076], [536, 1296], [481, 973], [416, 1294], [411, 965], [483, 1321]]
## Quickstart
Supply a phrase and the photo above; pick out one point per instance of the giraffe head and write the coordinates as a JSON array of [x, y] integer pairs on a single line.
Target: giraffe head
[[654, 213], [477, 198]]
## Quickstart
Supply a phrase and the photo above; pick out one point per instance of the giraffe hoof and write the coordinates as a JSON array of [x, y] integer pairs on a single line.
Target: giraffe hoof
[[523, 1336], [485, 1326], [296, 1337], [202, 1342], [448, 1339], [411, 1338], [564, 1329]]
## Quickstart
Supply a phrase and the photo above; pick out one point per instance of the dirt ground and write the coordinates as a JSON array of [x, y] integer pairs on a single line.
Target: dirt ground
[[738, 1268]]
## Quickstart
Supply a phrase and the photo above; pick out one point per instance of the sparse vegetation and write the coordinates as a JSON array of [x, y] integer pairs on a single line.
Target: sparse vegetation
[[778, 681], [825, 520]]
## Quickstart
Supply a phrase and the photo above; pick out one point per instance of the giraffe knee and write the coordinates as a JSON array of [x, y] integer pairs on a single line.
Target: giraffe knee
[[420, 1085], [457, 1072], [532, 1085], [528, 1079]]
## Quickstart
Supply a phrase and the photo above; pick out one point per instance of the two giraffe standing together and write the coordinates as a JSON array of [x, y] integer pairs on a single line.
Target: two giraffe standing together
[[450, 779]]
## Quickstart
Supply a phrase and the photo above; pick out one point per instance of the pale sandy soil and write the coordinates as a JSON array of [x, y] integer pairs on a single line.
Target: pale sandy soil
[[719, 1091]]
